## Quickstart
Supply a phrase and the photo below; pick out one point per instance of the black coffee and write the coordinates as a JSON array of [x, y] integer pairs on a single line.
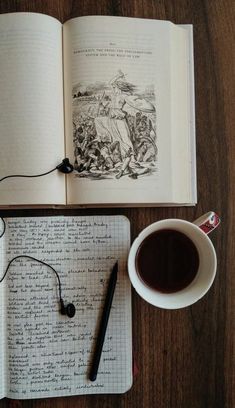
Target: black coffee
[[167, 261]]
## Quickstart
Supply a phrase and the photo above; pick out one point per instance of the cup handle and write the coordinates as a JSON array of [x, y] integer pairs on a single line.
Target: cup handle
[[208, 222]]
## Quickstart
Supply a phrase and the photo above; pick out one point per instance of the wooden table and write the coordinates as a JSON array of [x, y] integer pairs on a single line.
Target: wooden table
[[186, 357]]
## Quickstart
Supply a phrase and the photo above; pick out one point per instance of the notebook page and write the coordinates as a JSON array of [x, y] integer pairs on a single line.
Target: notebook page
[[50, 354], [31, 108], [2, 316]]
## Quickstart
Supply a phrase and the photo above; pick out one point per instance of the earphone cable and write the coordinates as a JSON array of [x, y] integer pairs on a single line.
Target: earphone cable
[[4, 227], [33, 259], [23, 175]]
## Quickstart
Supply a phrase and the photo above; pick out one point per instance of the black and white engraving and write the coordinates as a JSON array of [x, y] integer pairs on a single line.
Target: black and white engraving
[[114, 129]]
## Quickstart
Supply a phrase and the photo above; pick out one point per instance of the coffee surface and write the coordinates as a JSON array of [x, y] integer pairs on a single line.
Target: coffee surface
[[167, 261]]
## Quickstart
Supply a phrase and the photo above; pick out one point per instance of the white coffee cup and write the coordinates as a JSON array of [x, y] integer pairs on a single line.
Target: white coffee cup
[[198, 233]]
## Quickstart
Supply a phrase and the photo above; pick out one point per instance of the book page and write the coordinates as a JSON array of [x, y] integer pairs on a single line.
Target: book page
[[2, 317], [31, 109], [118, 101], [183, 140], [119, 113], [50, 354]]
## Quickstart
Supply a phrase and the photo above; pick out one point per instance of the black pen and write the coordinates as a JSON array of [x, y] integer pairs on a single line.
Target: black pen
[[103, 323]]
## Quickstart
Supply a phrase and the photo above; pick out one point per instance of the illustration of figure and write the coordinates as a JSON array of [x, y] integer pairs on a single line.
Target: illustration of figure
[[115, 126], [118, 122], [114, 132]]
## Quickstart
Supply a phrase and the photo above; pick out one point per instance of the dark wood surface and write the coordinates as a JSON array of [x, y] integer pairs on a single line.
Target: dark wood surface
[[186, 357]]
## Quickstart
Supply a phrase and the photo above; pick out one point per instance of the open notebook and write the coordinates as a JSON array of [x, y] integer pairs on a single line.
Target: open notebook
[[45, 354]]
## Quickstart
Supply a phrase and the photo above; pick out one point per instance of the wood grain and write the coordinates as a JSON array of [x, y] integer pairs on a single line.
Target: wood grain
[[185, 358]]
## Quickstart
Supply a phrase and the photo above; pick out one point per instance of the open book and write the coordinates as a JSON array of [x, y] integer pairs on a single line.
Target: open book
[[113, 94], [43, 353]]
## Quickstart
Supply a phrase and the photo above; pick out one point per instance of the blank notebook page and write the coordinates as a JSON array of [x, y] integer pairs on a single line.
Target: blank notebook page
[[50, 354]]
